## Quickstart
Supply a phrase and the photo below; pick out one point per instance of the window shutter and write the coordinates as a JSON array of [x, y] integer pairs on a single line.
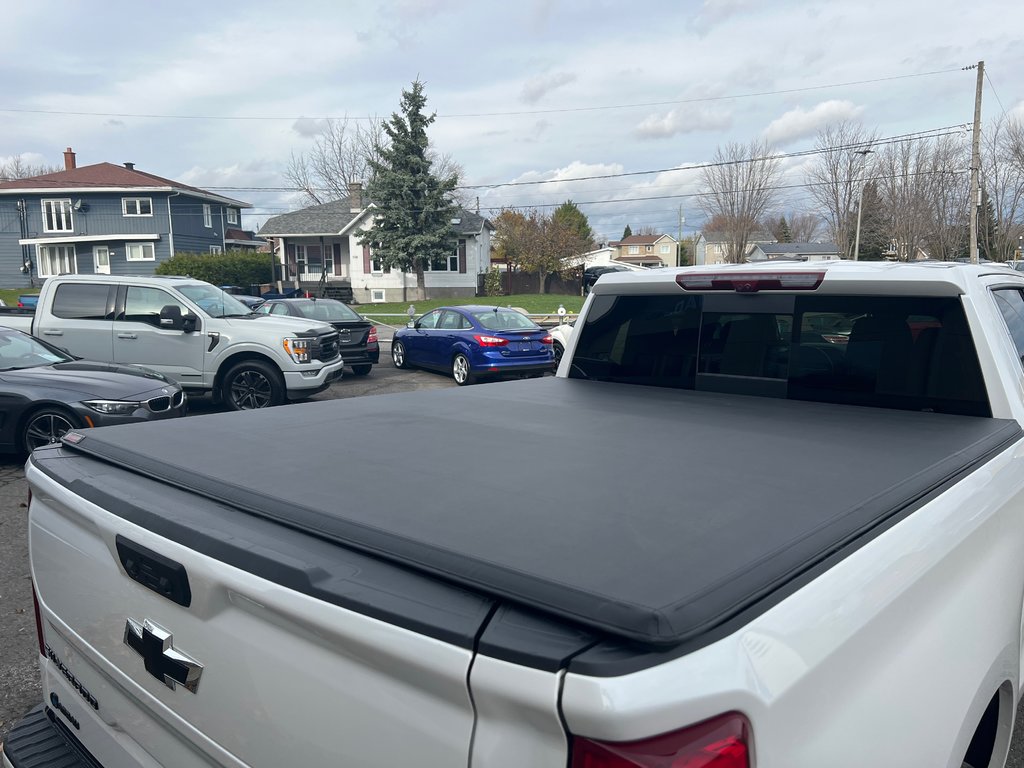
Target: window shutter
[[366, 259], [462, 256]]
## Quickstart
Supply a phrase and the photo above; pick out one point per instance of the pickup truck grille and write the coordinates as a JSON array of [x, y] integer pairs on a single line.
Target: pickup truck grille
[[326, 348]]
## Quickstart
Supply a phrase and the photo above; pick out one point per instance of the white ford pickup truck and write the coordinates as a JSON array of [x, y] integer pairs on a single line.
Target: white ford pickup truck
[[188, 330], [788, 532]]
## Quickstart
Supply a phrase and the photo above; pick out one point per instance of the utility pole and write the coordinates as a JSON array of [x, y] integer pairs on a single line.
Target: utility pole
[[860, 200], [679, 242], [975, 196]]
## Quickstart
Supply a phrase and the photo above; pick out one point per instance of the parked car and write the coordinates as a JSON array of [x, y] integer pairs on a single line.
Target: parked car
[[44, 392], [28, 300], [240, 293], [560, 340], [592, 274], [358, 342], [474, 342]]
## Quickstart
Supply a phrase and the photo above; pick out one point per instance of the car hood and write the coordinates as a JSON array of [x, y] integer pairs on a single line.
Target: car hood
[[108, 381], [283, 325]]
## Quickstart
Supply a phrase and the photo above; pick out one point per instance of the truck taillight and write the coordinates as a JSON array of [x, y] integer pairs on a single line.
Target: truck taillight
[[490, 341], [373, 335], [752, 282], [721, 742]]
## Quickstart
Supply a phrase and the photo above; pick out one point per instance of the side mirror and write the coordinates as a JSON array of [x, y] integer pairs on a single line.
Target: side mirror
[[189, 322], [171, 318], [411, 324]]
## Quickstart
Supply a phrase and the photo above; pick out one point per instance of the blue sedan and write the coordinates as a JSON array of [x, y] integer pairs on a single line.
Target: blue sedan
[[473, 342]]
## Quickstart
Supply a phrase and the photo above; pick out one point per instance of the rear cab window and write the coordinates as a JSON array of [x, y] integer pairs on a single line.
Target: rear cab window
[[910, 353], [83, 301]]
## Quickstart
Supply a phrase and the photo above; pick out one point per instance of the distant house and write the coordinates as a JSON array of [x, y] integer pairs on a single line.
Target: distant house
[[646, 250], [789, 251], [713, 247], [319, 246], [243, 240], [106, 218]]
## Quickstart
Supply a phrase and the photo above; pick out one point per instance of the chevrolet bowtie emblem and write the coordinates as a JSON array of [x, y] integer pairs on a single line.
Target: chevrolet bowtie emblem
[[164, 663]]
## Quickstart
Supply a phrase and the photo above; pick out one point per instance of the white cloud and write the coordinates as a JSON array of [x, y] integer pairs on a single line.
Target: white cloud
[[714, 12], [309, 126], [800, 123], [538, 87], [683, 120]]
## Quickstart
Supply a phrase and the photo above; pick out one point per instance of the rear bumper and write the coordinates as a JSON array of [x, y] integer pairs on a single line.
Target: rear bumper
[[499, 369], [38, 742]]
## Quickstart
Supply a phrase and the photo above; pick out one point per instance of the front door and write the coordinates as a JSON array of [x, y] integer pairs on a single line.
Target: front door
[[139, 339], [101, 259]]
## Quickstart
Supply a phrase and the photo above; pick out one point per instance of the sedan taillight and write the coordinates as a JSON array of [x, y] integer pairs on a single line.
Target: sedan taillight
[[373, 335], [490, 341], [721, 742], [547, 340]]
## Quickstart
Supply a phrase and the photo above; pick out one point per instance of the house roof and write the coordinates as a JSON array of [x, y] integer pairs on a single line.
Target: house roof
[[772, 249], [642, 240], [106, 176], [241, 236], [331, 218], [721, 237]]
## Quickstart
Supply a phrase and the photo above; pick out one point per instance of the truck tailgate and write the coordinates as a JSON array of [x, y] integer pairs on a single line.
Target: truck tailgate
[[325, 661]]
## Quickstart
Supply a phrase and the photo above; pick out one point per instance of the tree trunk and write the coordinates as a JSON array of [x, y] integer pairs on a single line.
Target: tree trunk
[[543, 281], [421, 283]]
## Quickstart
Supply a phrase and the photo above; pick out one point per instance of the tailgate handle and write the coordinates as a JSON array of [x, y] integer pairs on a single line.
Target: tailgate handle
[[154, 571]]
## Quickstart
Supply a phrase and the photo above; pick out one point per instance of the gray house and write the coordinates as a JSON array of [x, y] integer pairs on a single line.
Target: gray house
[[106, 218], [318, 249], [790, 251]]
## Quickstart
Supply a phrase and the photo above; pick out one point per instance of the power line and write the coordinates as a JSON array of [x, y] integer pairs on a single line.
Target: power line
[[517, 113], [995, 92]]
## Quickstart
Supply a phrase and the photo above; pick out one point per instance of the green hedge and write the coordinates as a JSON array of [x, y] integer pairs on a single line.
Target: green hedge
[[242, 268]]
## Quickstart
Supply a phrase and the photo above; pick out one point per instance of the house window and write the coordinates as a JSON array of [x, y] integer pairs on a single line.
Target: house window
[[137, 206], [376, 267], [141, 252], [56, 260], [449, 263], [207, 217], [232, 215], [377, 295], [634, 249], [216, 249], [665, 249], [649, 248], [57, 216]]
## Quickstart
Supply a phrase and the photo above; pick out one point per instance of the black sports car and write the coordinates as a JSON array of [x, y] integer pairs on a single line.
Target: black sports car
[[44, 392], [360, 348]]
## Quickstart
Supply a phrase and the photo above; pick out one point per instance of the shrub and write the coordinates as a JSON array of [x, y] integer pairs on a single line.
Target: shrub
[[242, 268], [492, 283]]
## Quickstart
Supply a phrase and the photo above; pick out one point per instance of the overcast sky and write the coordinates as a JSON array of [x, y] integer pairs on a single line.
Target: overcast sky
[[524, 91]]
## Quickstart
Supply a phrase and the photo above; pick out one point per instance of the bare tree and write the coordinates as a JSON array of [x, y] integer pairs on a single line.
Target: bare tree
[[1002, 178], [739, 190], [15, 167], [836, 178], [905, 176], [804, 227], [948, 195], [342, 153]]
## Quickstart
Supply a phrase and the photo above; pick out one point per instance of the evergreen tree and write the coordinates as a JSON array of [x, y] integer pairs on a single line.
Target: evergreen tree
[[781, 231], [412, 225], [627, 232], [569, 216]]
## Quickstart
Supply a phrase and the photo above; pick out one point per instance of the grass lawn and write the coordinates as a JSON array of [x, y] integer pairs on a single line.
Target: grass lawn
[[534, 304], [10, 295]]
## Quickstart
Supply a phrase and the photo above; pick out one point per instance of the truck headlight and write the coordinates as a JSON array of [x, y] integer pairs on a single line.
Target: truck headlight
[[115, 407], [298, 349]]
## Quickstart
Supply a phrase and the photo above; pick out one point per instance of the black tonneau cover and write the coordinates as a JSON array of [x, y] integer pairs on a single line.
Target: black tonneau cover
[[651, 514]]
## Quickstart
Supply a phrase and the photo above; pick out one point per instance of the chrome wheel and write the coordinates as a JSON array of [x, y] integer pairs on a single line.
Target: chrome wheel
[[460, 370], [398, 354], [44, 428]]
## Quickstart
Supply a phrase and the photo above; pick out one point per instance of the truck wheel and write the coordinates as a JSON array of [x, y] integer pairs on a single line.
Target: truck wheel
[[252, 384], [361, 370], [558, 351], [398, 355], [46, 426], [461, 371]]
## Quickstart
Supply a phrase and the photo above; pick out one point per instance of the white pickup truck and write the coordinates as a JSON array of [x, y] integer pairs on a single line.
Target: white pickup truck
[[788, 532], [188, 330]]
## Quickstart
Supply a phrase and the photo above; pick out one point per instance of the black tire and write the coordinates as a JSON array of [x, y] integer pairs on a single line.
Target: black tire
[[252, 384], [45, 426], [398, 355], [461, 371], [362, 369], [558, 350]]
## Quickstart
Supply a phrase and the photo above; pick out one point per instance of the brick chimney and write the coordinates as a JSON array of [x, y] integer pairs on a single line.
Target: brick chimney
[[355, 196], [69, 160]]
